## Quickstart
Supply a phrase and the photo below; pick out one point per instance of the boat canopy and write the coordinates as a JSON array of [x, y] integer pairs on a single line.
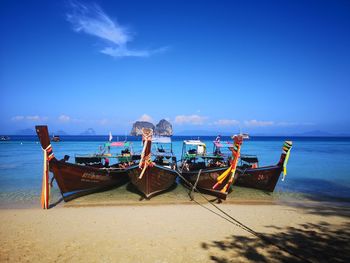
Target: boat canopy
[[117, 144], [161, 139], [245, 135], [194, 142], [211, 157], [164, 154], [220, 144], [190, 151], [249, 158]]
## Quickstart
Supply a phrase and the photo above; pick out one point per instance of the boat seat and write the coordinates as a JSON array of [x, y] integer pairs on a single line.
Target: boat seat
[[192, 151], [88, 160], [197, 166]]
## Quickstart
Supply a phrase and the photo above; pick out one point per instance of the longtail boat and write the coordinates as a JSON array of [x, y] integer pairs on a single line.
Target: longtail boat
[[154, 175], [75, 180], [211, 174], [56, 138], [249, 174]]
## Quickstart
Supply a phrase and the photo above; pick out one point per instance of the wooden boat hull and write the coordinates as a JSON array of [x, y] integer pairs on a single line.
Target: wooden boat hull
[[206, 181], [266, 177], [155, 180], [76, 180], [263, 178]]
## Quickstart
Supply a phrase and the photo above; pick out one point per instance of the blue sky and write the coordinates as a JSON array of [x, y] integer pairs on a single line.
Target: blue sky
[[267, 67]]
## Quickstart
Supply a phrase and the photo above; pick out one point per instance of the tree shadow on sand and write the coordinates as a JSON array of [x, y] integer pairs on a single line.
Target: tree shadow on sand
[[311, 242], [322, 208]]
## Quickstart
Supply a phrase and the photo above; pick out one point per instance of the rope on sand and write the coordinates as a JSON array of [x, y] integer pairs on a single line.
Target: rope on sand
[[237, 223]]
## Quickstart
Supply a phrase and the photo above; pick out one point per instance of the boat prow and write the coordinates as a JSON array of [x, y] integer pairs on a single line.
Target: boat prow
[[75, 180], [210, 174], [155, 180], [152, 177], [264, 178]]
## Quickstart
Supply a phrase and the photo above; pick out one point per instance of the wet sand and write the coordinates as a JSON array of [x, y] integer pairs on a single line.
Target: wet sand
[[74, 232]]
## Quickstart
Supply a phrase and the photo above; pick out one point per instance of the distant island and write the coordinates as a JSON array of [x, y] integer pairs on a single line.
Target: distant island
[[27, 131], [89, 131], [315, 133], [60, 132], [163, 128]]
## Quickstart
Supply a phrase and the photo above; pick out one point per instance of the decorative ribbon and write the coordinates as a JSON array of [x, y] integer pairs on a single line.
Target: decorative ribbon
[[146, 156], [286, 150], [232, 169], [45, 191]]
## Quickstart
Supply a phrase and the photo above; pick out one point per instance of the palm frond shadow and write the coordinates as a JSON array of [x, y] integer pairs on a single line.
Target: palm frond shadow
[[311, 242]]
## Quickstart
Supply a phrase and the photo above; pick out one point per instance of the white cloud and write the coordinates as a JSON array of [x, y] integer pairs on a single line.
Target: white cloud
[[255, 123], [67, 119], [308, 123], [18, 118], [123, 52], [64, 118], [286, 124], [103, 121], [33, 118], [191, 119], [226, 122], [92, 20], [145, 117], [30, 118]]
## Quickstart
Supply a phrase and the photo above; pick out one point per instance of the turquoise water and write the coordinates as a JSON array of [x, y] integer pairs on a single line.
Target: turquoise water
[[318, 167]]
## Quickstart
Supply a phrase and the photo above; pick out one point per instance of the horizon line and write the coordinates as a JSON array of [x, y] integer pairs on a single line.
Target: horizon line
[[197, 135]]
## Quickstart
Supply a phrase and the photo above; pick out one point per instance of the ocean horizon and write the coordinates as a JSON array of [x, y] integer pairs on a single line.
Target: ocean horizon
[[121, 137]]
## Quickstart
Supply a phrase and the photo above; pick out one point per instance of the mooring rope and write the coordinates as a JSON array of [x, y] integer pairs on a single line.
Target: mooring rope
[[195, 185], [237, 223]]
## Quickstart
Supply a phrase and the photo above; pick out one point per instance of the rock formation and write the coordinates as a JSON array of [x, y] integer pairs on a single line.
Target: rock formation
[[137, 127], [164, 128]]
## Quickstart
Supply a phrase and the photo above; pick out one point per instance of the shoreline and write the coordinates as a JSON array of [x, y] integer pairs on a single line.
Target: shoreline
[[145, 203], [116, 198], [290, 202]]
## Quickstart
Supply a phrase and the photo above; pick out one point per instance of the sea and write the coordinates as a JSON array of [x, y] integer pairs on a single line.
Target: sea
[[318, 169]]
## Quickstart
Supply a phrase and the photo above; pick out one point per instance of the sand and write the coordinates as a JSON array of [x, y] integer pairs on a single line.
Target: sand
[[318, 232]]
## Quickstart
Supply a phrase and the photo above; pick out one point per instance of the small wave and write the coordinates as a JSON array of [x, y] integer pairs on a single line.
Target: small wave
[[9, 166]]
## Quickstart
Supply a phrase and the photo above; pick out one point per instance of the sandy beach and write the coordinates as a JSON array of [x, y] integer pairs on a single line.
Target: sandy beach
[[175, 131], [175, 233]]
